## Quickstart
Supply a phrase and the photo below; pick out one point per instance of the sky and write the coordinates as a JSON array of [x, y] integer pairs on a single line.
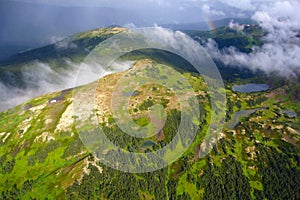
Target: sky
[[43, 18], [33, 23], [27, 24]]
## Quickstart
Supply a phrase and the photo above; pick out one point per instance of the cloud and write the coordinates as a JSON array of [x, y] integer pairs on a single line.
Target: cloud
[[240, 4], [65, 44], [280, 52], [236, 26], [129, 26], [209, 11], [281, 49], [269, 58], [39, 78], [55, 39]]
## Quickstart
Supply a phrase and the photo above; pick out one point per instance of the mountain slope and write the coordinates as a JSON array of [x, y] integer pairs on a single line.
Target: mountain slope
[[257, 155], [43, 157], [63, 56], [60, 56], [203, 25], [54, 67], [250, 35], [47, 69]]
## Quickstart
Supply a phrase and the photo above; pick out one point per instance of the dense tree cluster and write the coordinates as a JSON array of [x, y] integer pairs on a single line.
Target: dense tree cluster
[[114, 184], [280, 176]]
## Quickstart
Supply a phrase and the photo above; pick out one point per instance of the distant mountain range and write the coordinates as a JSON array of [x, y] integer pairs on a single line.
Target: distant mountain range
[[205, 25], [75, 48], [22, 28]]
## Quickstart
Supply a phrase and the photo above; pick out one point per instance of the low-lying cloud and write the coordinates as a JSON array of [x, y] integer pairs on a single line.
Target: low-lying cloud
[[281, 49], [236, 26], [39, 78]]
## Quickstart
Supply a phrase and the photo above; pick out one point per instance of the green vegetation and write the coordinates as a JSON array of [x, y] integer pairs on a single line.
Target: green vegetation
[[225, 37], [58, 56], [259, 158], [42, 156]]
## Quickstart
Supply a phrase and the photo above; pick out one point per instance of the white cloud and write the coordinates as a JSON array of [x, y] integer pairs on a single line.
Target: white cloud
[[209, 11], [39, 78], [269, 58], [181, 8], [236, 26], [281, 48], [241, 4]]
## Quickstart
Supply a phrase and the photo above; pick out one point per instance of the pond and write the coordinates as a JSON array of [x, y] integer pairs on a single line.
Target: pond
[[235, 119], [148, 143], [130, 94], [250, 87], [290, 113]]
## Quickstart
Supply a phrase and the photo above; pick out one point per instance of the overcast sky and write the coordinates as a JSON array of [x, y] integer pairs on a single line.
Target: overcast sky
[[38, 22]]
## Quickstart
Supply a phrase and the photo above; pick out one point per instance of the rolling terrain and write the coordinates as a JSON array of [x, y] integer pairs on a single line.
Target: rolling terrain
[[256, 156]]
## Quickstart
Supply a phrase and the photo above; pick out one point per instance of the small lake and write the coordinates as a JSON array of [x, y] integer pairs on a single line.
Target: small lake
[[250, 87], [290, 113], [148, 143], [235, 119], [130, 94]]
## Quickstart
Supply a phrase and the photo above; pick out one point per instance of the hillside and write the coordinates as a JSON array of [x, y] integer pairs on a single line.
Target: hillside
[[251, 35], [60, 56], [42, 155], [63, 55], [54, 67], [203, 25]]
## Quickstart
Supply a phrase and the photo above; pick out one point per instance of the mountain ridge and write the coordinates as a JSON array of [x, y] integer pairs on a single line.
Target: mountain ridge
[[42, 154], [40, 134]]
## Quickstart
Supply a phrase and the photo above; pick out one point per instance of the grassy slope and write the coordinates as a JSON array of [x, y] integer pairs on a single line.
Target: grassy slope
[[77, 47], [57, 56], [41, 156], [225, 37]]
